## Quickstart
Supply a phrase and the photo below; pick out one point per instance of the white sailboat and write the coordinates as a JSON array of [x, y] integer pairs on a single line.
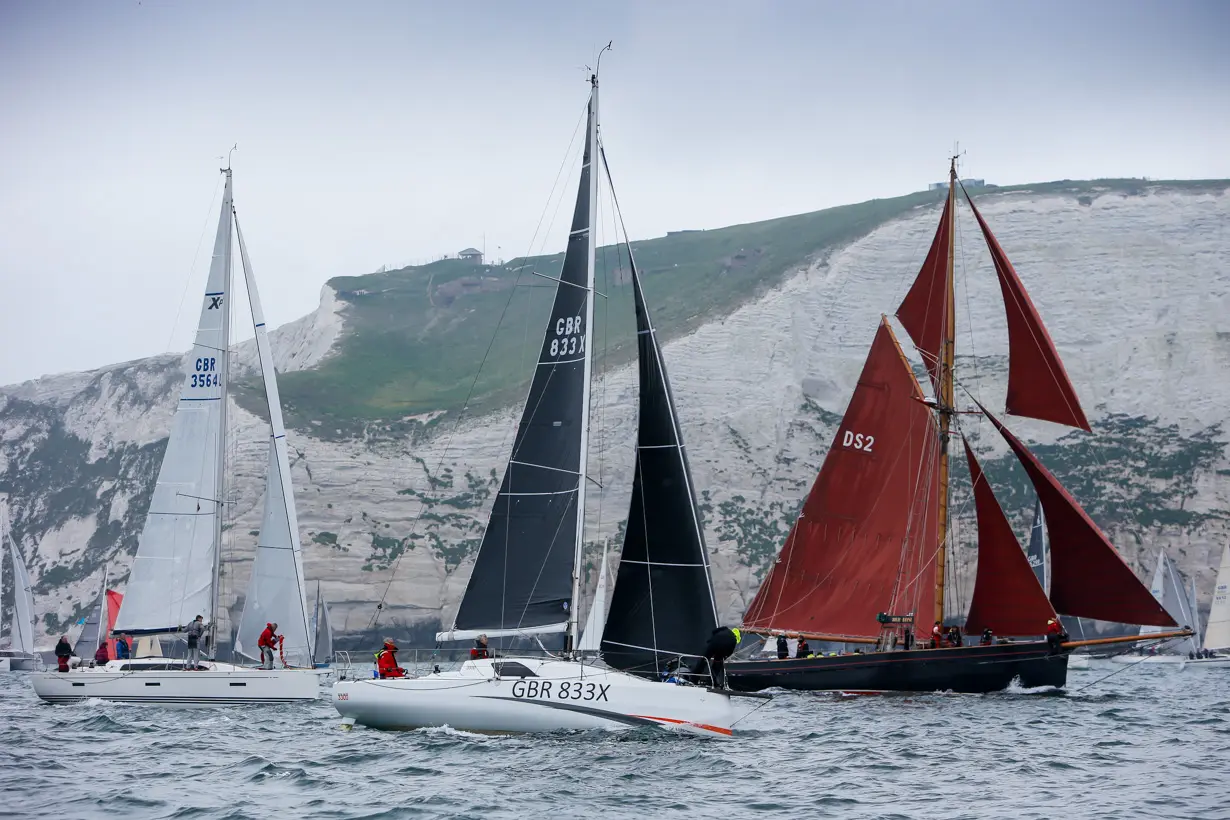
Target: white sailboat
[[21, 654], [175, 575], [1217, 632], [526, 580], [1169, 590], [322, 630]]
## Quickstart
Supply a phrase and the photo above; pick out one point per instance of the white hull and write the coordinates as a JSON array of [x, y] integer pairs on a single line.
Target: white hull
[[20, 661], [1164, 660], [1215, 662], [216, 684], [558, 695]]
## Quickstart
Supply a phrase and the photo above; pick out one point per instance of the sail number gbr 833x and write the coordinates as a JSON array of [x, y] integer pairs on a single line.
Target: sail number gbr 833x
[[568, 340], [562, 690]]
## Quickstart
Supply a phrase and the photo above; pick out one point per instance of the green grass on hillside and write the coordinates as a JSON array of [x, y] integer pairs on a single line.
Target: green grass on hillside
[[416, 336]]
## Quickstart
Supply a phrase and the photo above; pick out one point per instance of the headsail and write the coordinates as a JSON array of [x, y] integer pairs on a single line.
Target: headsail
[[867, 538], [1088, 578], [21, 627], [1217, 632], [663, 605], [1008, 599], [276, 591], [1036, 551], [173, 575], [523, 578], [591, 637], [1038, 384], [94, 628], [924, 311]]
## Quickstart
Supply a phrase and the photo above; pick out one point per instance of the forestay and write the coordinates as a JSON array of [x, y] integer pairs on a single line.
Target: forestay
[[172, 577], [522, 581], [276, 591]]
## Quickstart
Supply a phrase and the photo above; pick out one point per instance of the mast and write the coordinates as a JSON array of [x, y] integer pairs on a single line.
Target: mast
[[944, 405], [224, 348], [591, 138]]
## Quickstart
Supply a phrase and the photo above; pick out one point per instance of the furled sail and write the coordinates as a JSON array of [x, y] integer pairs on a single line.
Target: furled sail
[[522, 581], [924, 311], [1038, 384], [1008, 598], [276, 591], [1088, 578], [1036, 551], [172, 577], [21, 627], [867, 538], [591, 638], [1217, 632], [93, 630], [663, 605]]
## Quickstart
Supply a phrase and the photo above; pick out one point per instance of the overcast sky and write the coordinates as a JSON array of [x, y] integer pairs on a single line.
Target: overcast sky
[[385, 133]]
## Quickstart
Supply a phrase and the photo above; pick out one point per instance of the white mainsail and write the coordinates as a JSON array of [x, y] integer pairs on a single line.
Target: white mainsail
[[591, 638], [322, 628], [1170, 592], [1217, 633], [21, 628], [276, 592], [173, 575]]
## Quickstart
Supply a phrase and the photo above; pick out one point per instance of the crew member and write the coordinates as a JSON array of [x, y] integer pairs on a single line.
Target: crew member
[[267, 642], [64, 651], [101, 656], [802, 650], [480, 648], [987, 638], [937, 636], [722, 644], [1055, 634], [386, 661], [194, 633], [954, 636], [121, 648], [783, 648]]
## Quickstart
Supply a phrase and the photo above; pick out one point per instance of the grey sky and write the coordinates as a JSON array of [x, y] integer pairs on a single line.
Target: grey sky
[[384, 133]]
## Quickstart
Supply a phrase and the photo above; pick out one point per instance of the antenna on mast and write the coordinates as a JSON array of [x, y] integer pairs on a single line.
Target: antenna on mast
[[227, 169]]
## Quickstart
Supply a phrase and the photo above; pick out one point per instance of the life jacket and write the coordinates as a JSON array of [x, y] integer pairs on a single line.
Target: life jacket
[[1054, 628], [738, 635], [386, 664], [479, 652], [266, 638]]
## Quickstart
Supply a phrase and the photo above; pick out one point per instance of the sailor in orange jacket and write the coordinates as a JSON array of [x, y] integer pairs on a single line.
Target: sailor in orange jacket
[[386, 661]]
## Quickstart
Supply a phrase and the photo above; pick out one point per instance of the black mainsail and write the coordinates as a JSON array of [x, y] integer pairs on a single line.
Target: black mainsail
[[524, 577], [1036, 551], [663, 605]]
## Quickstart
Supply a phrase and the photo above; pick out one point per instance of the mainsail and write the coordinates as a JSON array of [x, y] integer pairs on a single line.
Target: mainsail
[[322, 629], [1036, 551], [1008, 597], [524, 579], [276, 591], [173, 576], [1217, 632], [21, 627], [867, 539], [663, 605]]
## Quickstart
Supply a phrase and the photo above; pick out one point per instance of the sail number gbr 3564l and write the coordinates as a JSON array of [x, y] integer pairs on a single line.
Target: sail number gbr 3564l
[[560, 690], [206, 374], [568, 339]]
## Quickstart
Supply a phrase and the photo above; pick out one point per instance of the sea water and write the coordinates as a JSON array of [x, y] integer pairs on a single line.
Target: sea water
[[1142, 743]]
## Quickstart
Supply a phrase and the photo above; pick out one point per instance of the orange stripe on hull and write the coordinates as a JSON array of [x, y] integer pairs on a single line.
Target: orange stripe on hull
[[718, 729]]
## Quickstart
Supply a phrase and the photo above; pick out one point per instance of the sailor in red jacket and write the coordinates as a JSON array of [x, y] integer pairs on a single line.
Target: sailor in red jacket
[[1055, 634], [268, 642], [386, 661], [480, 648]]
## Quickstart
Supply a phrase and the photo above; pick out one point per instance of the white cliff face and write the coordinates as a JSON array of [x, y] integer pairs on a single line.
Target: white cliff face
[[1133, 289]]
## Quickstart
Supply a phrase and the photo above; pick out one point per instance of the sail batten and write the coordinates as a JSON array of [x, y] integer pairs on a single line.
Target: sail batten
[[867, 538], [1088, 577], [173, 575], [1038, 383], [523, 577], [1008, 598]]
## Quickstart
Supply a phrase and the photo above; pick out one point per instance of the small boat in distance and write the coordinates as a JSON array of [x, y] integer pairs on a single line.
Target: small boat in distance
[[175, 574], [20, 654], [865, 561]]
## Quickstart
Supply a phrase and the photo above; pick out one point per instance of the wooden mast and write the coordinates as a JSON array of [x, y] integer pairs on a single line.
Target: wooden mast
[[945, 405]]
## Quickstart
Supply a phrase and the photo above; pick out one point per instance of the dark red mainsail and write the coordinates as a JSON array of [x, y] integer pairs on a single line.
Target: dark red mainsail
[[924, 311], [866, 540], [1038, 384], [1088, 578], [1007, 596]]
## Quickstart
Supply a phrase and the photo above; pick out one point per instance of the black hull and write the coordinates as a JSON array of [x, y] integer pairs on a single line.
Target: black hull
[[970, 669]]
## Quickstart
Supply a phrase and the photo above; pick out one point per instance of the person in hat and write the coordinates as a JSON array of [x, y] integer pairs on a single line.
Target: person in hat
[[480, 649], [386, 661], [1055, 634]]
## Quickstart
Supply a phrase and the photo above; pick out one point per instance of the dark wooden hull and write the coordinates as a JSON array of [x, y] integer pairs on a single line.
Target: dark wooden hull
[[971, 669]]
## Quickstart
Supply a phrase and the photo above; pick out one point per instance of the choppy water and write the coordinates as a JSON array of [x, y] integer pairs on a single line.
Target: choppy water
[[1147, 743]]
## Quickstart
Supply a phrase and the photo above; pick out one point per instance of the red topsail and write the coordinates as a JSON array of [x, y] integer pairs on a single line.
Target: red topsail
[[866, 540], [1007, 596], [1038, 385], [1088, 578], [924, 311]]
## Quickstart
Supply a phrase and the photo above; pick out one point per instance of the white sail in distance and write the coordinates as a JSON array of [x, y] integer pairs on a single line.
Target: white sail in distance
[[276, 592], [21, 628], [591, 638], [173, 575], [1217, 632], [1169, 591], [322, 628]]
